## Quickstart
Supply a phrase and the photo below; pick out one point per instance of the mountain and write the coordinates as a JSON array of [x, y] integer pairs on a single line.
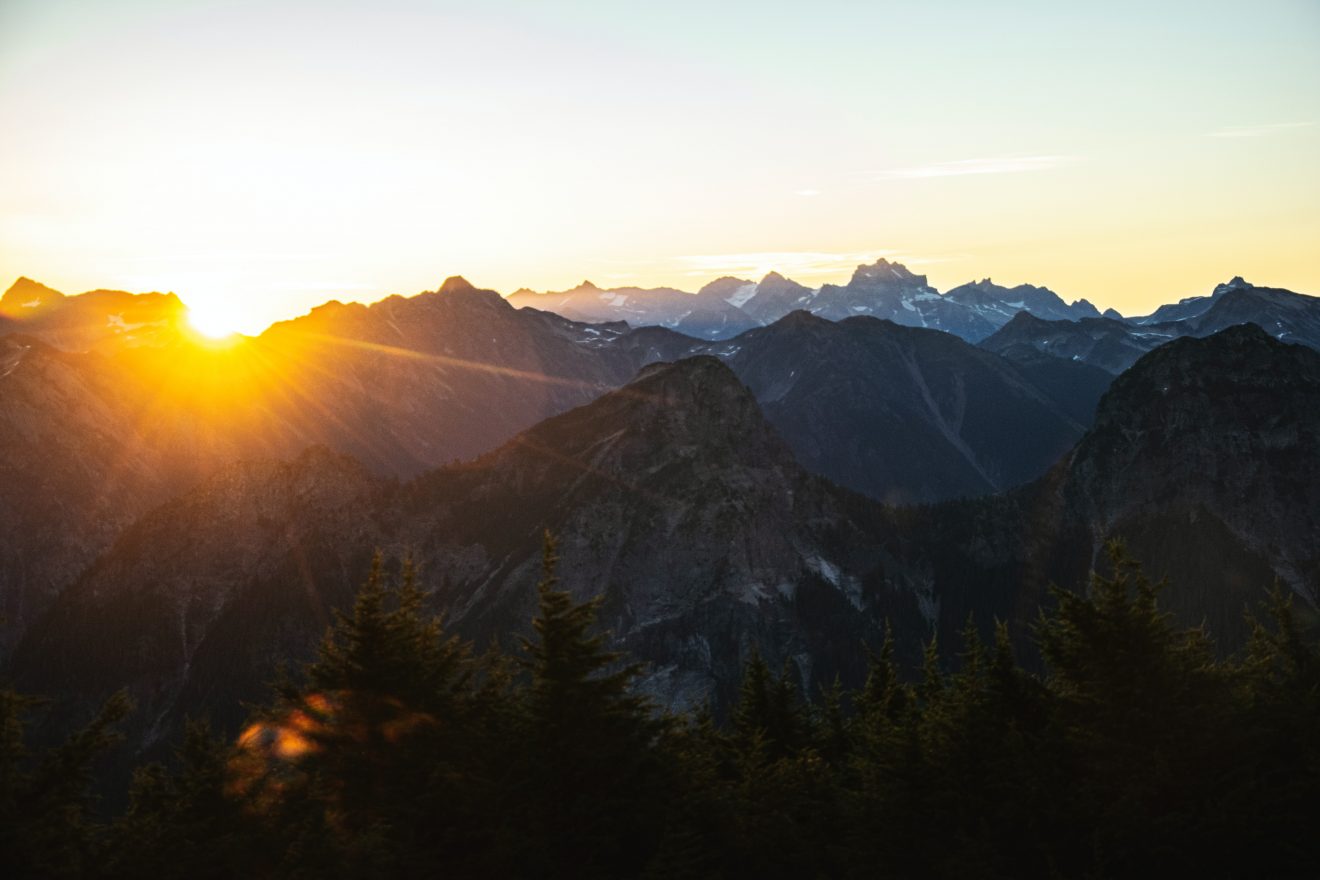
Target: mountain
[[679, 503], [1108, 344], [1115, 344], [90, 441], [1283, 314], [765, 301], [903, 414], [728, 306], [100, 320], [207, 593], [1201, 459], [671, 497], [705, 317], [1188, 307], [411, 383], [998, 304], [84, 451]]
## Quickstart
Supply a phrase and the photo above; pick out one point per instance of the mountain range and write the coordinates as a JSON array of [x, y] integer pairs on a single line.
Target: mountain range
[[180, 519], [729, 306]]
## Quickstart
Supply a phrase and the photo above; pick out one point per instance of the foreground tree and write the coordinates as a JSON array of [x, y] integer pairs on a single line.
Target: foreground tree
[[47, 826], [592, 784]]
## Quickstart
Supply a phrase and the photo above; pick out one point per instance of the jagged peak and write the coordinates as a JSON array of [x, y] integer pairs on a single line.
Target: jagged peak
[[1237, 282], [883, 271]]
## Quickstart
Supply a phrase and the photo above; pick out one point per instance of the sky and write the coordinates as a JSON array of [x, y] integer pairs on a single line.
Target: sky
[[264, 157]]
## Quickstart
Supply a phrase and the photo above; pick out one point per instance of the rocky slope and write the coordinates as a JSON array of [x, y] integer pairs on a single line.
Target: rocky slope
[[675, 500], [1202, 459], [100, 320], [902, 414], [671, 497]]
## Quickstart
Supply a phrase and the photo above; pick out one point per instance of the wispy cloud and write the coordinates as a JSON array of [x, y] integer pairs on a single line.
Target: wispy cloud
[[806, 193], [957, 168], [1254, 131]]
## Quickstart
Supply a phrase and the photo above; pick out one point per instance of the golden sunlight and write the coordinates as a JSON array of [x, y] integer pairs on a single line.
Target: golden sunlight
[[214, 320]]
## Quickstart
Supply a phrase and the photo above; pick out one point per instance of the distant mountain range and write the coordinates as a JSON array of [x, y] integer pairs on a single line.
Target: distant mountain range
[[179, 518], [1115, 344], [729, 306]]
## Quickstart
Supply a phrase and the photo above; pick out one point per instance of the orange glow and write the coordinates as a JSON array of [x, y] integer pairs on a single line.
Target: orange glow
[[214, 320]]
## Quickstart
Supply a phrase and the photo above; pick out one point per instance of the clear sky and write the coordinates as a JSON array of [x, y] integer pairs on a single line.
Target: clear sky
[[272, 155]]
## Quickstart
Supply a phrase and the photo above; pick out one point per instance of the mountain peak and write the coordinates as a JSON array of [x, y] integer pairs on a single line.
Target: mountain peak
[[1236, 283], [800, 318], [456, 284], [723, 287], [26, 294], [884, 272]]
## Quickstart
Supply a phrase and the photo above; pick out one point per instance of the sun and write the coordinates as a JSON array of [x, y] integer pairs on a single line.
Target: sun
[[213, 320]]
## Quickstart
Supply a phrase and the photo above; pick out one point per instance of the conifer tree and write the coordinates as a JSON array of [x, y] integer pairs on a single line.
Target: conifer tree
[[47, 828], [594, 781]]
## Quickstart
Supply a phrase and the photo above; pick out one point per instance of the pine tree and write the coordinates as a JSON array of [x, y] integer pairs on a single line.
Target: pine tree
[[1147, 715], [595, 783], [46, 806]]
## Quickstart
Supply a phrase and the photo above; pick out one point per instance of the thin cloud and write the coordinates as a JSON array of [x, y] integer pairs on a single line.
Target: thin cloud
[[960, 167], [806, 193], [1254, 131]]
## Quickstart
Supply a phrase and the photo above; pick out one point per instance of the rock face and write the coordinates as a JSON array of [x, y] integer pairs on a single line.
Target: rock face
[[81, 457], [1202, 459], [672, 497]]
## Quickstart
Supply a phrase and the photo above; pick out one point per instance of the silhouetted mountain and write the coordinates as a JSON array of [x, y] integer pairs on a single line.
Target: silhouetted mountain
[[89, 442], [1188, 307], [1284, 315], [1105, 343], [1201, 458], [904, 414], [1114, 345], [85, 448], [100, 320], [671, 496], [675, 499], [411, 383]]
